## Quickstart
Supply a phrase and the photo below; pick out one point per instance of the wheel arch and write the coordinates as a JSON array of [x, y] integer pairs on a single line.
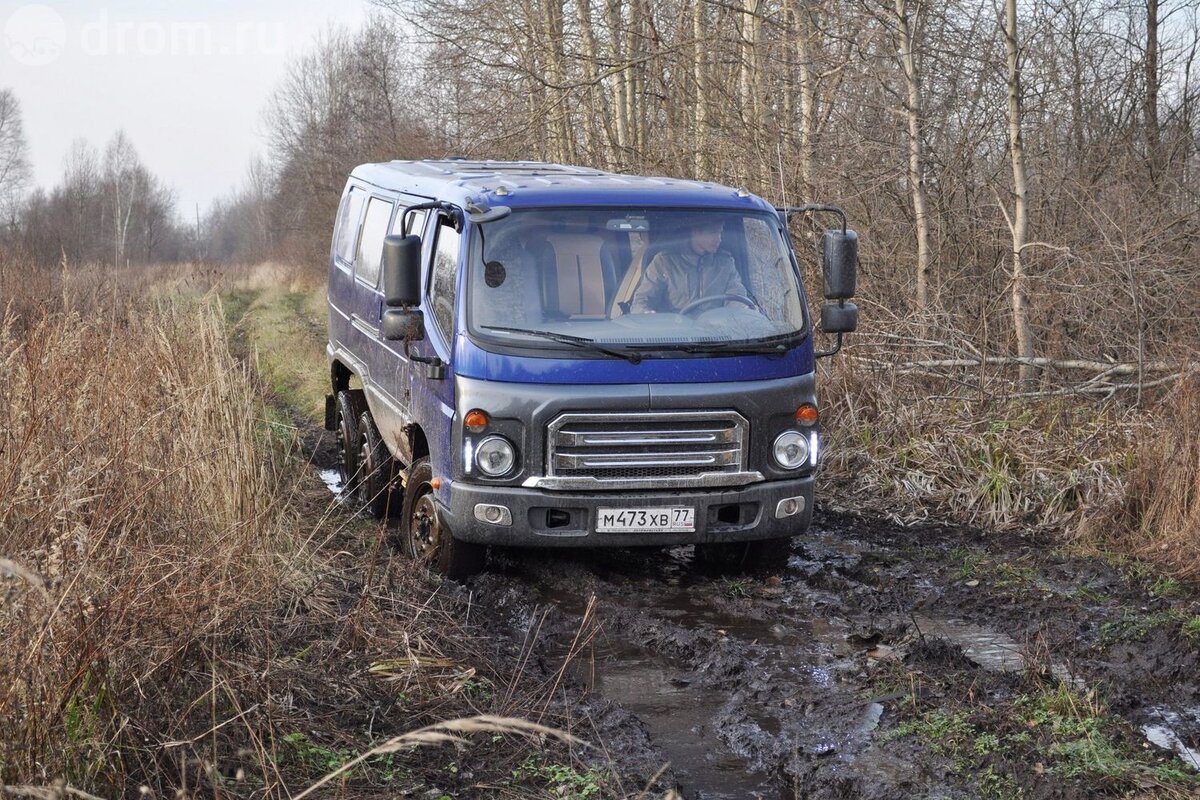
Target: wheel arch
[[339, 376]]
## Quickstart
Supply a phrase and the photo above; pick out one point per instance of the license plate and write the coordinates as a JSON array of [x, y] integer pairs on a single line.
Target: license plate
[[651, 520]]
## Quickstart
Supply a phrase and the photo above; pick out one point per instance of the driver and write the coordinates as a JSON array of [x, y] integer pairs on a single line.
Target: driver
[[696, 269]]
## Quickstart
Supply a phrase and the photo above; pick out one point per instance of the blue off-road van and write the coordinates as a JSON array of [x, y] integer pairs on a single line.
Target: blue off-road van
[[529, 354]]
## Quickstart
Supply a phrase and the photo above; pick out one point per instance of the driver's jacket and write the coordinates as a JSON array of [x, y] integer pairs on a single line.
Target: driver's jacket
[[673, 280]]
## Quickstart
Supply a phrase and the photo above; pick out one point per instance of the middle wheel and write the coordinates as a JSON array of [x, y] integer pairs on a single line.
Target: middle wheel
[[378, 470]]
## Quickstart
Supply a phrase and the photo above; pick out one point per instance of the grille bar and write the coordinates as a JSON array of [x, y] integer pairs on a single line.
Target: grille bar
[[651, 450], [637, 438]]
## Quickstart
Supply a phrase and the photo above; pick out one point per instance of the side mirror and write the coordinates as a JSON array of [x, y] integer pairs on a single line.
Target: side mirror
[[402, 270], [841, 317], [402, 325], [839, 262]]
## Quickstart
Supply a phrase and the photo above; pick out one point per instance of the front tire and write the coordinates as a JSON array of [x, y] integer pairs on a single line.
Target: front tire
[[425, 536], [762, 556]]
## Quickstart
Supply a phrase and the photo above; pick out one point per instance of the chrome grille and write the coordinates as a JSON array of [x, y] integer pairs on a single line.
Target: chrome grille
[[660, 450]]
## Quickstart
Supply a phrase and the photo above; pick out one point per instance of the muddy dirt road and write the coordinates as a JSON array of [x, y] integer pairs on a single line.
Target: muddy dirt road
[[882, 663]]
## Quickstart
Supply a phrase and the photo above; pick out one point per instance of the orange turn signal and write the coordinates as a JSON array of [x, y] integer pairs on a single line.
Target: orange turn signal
[[807, 415], [476, 421]]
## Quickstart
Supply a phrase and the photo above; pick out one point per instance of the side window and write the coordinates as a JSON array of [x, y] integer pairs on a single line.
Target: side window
[[370, 248], [409, 222], [445, 276], [347, 225]]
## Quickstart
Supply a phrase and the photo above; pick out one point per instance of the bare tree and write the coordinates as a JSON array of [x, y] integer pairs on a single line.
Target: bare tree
[[14, 157], [906, 33], [1018, 219]]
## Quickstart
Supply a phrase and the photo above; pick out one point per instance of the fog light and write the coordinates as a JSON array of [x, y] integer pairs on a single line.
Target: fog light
[[789, 507], [493, 515]]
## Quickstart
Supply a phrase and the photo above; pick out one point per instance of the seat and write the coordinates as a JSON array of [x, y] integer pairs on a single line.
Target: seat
[[578, 275], [633, 276]]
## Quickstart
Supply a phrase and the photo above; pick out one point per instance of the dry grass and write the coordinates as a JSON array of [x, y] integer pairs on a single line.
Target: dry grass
[[971, 446], [916, 448], [1156, 514], [139, 500]]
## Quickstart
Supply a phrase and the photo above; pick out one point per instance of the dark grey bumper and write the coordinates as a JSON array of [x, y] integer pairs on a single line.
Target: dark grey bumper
[[558, 519]]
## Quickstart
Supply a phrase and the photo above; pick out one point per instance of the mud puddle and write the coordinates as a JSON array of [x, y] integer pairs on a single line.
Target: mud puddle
[[1175, 731], [679, 715]]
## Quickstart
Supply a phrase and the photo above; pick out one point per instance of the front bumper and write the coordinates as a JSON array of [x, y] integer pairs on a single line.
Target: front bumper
[[563, 519]]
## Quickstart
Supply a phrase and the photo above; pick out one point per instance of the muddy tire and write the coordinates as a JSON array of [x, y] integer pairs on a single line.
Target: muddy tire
[[763, 556], [350, 406], [377, 471], [424, 535]]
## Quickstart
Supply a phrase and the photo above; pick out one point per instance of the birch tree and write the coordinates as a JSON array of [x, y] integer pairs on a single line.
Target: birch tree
[[906, 27], [1018, 218], [14, 157]]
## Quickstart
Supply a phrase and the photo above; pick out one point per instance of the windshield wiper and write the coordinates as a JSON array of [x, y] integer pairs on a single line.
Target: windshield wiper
[[724, 348], [735, 348], [575, 341]]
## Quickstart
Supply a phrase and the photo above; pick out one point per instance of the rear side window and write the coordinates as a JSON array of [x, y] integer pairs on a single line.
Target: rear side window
[[445, 276], [347, 225], [370, 248]]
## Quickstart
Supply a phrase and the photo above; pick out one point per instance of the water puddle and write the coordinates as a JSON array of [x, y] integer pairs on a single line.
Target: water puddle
[[679, 717], [992, 650], [1163, 730], [332, 479]]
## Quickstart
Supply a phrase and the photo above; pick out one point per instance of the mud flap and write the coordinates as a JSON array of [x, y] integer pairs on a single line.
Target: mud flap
[[330, 412]]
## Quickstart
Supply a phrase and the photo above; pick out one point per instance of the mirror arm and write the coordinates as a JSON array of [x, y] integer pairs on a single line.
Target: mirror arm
[[837, 348], [435, 368], [813, 208]]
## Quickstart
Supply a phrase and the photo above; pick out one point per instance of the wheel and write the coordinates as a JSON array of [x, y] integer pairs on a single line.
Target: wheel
[[762, 556], [377, 471], [426, 539], [714, 299], [350, 406]]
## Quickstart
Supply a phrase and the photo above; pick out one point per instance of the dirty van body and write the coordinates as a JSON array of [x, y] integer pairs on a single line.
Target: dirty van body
[[553, 356]]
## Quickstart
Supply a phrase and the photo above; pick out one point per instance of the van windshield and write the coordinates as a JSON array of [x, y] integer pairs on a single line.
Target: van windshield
[[648, 281]]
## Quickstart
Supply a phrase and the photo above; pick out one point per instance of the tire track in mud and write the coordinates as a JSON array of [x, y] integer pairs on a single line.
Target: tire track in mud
[[748, 687]]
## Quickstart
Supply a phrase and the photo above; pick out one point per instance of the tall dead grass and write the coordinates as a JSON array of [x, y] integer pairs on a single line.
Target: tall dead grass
[[1156, 514], [969, 445], [137, 505], [923, 428], [916, 449]]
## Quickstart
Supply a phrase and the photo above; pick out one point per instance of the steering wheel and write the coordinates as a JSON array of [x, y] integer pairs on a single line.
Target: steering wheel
[[713, 299]]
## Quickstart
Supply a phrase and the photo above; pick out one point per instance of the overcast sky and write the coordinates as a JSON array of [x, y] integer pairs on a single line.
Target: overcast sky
[[187, 80]]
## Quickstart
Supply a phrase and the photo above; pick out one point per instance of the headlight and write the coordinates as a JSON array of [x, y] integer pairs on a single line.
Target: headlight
[[791, 449], [495, 456]]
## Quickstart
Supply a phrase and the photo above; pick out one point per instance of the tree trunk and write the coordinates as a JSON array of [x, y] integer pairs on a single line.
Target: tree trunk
[[1150, 108], [597, 111], [808, 99], [617, 56], [701, 166], [905, 33], [1019, 223]]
